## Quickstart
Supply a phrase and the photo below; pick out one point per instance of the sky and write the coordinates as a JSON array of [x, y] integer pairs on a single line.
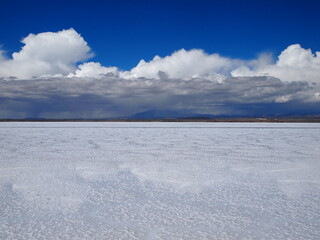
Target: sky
[[99, 59]]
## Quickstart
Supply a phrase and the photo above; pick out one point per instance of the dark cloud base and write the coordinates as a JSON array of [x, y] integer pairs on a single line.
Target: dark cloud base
[[109, 97]]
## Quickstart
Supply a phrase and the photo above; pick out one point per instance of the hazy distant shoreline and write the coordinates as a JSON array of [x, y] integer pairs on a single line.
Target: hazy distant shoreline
[[311, 119]]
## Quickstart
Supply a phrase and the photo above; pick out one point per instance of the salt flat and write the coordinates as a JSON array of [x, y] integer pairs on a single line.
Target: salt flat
[[159, 181]]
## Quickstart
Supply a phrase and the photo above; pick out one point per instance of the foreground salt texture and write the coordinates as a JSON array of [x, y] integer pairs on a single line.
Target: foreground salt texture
[[159, 181]]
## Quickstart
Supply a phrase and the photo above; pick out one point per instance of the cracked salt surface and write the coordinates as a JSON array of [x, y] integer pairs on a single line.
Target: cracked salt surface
[[159, 181]]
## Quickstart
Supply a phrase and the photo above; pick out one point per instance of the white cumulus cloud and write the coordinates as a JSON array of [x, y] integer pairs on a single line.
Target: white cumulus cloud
[[185, 65], [94, 70], [59, 53], [48, 53], [294, 64]]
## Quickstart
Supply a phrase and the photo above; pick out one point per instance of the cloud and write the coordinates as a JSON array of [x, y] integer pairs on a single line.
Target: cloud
[[185, 65], [58, 53], [48, 53], [189, 81], [2, 55], [94, 70], [294, 64], [111, 96]]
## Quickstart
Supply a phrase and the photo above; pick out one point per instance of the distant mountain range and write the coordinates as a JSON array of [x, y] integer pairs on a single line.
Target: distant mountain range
[[186, 116], [167, 114]]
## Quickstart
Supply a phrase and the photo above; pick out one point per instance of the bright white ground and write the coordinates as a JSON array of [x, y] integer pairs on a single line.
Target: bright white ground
[[159, 181]]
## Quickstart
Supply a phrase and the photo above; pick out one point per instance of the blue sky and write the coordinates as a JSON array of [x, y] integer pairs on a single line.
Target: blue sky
[[102, 59], [122, 32]]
